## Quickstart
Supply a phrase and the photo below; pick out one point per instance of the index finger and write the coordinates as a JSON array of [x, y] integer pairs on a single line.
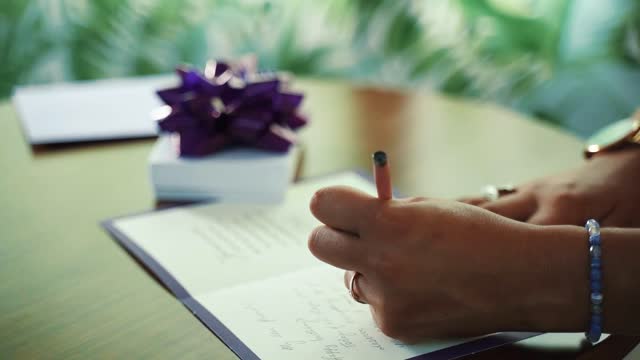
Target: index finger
[[337, 248], [343, 208], [517, 206]]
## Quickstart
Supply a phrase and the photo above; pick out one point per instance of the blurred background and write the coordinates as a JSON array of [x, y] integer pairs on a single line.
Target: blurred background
[[575, 63]]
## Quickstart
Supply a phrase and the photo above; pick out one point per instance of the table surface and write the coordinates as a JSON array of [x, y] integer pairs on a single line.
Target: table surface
[[67, 290]]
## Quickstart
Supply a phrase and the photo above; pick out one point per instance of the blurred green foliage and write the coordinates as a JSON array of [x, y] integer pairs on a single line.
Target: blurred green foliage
[[572, 62]]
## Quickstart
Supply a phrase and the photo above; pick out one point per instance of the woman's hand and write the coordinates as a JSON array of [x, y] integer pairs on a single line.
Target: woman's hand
[[606, 188], [433, 268]]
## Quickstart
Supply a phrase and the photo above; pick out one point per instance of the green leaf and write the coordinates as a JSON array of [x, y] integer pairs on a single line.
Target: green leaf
[[25, 41], [403, 33]]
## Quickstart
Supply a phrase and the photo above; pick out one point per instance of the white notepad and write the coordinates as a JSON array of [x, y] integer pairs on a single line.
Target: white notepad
[[246, 272], [90, 110]]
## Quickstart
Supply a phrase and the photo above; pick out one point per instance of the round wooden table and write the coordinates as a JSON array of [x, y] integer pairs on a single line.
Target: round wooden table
[[68, 291]]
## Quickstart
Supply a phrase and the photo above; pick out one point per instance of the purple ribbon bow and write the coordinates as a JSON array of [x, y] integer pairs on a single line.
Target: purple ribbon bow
[[230, 104]]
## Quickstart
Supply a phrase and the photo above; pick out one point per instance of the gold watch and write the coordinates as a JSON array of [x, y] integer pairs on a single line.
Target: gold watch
[[620, 134]]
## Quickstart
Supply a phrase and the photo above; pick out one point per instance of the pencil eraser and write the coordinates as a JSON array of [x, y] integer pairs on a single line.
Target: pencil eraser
[[380, 158]]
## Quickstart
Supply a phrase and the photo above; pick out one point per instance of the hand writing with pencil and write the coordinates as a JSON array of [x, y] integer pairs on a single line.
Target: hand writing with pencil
[[405, 251], [401, 252], [427, 266], [432, 268]]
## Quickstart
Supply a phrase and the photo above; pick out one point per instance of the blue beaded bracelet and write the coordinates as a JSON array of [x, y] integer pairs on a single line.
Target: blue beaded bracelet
[[595, 275]]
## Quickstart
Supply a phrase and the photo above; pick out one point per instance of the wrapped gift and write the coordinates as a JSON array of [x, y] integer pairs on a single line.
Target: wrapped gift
[[233, 175], [227, 133]]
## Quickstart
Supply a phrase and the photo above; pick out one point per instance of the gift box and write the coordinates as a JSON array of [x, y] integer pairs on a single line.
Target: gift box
[[233, 175], [228, 133]]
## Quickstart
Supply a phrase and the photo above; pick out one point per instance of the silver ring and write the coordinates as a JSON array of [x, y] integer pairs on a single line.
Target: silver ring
[[351, 287], [493, 193]]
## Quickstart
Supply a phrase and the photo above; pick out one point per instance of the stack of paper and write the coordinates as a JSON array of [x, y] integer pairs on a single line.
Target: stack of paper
[[90, 110], [234, 175]]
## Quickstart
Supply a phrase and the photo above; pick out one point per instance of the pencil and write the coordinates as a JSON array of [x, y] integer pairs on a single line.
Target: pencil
[[382, 175]]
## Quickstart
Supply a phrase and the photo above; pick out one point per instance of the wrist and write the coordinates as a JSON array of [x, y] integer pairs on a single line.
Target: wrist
[[556, 267]]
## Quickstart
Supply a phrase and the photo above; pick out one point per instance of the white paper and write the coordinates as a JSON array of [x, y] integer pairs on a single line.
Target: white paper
[[90, 110], [306, 315], [210, 247], [250, 267]]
